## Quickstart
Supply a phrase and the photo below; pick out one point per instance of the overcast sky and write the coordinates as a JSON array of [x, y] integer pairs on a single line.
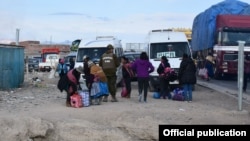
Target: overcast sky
[[67, 20]]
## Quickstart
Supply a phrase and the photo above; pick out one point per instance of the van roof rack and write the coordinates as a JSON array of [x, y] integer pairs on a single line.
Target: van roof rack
[[104, 37], [161, 30]]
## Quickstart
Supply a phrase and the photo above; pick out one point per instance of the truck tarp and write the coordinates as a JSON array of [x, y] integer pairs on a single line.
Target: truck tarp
[[204, 26]]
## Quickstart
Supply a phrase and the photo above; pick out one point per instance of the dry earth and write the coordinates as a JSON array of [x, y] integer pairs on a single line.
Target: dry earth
[[37, 112]]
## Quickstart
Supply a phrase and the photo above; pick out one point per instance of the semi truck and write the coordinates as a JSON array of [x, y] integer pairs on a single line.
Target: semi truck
[[218, 32], [50, 58]]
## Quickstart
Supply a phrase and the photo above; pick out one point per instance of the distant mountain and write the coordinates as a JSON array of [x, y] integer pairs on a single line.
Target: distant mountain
[[66, 42], [5, 41]]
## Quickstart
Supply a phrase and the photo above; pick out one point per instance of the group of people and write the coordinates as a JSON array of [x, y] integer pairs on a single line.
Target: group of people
[[186, 77], [209, 64], [106, 72], [206, 62]]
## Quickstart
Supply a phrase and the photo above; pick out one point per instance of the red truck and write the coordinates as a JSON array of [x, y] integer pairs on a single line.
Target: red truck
[[229, 30], [50, 57], [46, 51], [217, 30]]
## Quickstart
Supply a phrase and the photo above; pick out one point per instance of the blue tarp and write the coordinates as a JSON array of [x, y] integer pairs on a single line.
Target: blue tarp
[[203, 30]]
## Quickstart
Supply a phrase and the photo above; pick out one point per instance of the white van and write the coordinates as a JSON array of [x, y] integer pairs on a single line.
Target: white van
[[165, 42], [94, 49]]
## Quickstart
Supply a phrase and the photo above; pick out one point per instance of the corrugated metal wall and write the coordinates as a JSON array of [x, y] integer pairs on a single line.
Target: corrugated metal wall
[[11, 66]]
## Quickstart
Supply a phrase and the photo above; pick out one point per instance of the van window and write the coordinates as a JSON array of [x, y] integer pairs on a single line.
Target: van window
[[170, 50], [94, 53]]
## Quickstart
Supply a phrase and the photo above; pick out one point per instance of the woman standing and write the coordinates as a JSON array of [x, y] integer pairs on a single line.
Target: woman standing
[[164, 84], [127, 75], [143, 68], [209, 64], [187, 76]]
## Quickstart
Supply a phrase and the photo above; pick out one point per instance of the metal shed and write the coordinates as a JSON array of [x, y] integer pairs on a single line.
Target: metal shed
[[11, 66]]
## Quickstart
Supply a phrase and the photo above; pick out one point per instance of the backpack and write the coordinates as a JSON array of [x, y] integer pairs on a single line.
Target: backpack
[[170, 74]]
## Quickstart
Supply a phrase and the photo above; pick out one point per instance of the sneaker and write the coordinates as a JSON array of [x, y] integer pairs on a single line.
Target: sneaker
[[140, 97], [145, 101], [189, 101], [114, 99]]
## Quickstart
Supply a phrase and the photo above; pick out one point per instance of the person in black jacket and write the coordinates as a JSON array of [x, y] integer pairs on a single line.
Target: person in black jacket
[[71, 63], [187, 76], [86, 71], [164, 84]]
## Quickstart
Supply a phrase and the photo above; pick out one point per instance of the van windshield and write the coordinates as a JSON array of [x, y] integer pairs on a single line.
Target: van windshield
[[170, 50], [94, 53]]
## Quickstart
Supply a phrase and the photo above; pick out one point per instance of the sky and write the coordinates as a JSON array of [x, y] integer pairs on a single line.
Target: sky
[[63, 21]]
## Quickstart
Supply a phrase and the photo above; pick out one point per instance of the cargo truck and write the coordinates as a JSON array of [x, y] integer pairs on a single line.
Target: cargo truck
[[50, 57], [218, 32]]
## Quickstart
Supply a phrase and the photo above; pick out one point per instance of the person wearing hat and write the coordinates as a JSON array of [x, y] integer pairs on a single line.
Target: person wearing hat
[[97, 75], [109, 63], [73, 81]]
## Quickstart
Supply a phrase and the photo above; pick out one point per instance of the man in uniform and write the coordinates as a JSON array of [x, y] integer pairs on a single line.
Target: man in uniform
[[109, 63]]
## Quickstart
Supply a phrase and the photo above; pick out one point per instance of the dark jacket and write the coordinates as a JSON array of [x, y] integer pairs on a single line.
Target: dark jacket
[[71, 64], [63, 83], [110, 71], [88, 77], [187, 72]]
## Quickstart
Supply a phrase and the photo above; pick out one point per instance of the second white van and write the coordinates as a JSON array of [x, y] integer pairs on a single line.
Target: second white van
[[165, 42]]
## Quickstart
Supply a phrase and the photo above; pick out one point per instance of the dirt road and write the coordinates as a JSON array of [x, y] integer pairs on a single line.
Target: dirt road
[[37, 112]]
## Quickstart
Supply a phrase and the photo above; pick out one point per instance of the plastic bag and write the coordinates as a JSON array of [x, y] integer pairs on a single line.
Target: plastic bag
[[203, 73], [124, 91]]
